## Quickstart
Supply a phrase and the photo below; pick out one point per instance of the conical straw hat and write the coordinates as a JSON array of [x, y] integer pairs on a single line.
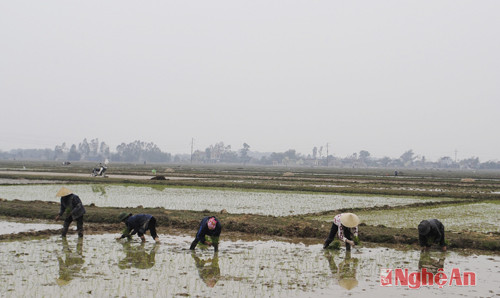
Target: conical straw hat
[[62, 282], [349, 220], [348, 283], [122, 216], [63, 192]]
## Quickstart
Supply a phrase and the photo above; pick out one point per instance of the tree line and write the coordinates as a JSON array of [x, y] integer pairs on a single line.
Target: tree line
[[139, 151], [93, 150]]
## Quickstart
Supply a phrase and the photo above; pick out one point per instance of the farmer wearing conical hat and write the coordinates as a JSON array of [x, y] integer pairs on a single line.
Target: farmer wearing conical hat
[[209, 226], [138, 224], [72, 206], [346, 226], [431, 231]]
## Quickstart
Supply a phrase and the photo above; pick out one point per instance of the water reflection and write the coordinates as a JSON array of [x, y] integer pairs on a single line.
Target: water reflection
[[246, 268], [208, 269], [70, 266], [99, 188], [430, 263], [345, 272], [136, 256]]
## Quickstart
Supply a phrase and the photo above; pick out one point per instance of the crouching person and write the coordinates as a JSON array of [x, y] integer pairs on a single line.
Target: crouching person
[[139, 224], [431, 231], [346, 226], [72, 206], [209, 226]]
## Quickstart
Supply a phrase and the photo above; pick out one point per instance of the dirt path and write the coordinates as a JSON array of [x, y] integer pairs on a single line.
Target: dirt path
[[54, 174]]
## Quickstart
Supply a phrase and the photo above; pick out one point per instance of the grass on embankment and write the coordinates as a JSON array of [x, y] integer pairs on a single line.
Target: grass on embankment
[[293, 226]]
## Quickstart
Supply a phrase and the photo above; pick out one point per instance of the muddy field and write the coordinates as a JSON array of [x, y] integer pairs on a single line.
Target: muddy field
[[274, 223], [98, 265], [276, 203], [403, 199]]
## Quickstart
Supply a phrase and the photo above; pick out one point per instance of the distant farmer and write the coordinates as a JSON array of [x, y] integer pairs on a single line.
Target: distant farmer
[[209, 226], [431, 231], [139, 224], [72, 207], [346, 226]]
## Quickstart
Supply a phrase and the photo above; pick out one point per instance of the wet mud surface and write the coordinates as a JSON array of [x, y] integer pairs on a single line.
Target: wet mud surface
[[99, 265], [260, 255], [13, 227], [99, 219], [261, 202]]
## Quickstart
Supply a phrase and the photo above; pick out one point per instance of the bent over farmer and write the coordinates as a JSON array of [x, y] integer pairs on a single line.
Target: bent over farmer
[[72, 206], [139, 224], [431, 231], [345, 225], [209, 226]]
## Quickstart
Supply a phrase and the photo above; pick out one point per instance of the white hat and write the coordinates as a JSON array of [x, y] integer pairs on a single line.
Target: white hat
[[349, 220], [63, 192]]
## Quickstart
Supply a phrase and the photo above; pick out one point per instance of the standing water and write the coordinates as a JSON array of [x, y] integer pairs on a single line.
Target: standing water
[[100, 266], [255, 202]]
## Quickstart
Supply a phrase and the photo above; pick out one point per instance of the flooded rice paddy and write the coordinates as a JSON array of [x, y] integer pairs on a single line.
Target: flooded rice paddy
[[26, 181], [11, 227], [478, 217], [99, 266], [198, 199]]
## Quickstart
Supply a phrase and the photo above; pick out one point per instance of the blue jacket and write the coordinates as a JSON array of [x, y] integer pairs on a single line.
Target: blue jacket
[[204, 230]]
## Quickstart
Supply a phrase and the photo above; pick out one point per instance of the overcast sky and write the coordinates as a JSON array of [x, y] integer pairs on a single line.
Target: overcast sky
[[381, 76]]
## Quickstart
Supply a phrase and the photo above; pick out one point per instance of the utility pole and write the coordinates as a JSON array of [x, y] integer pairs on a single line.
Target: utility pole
[[456, 155], [327, 154], [192, 144]]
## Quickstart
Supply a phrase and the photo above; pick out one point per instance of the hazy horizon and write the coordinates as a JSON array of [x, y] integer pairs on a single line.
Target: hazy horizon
[[381, 76], [236, 149]]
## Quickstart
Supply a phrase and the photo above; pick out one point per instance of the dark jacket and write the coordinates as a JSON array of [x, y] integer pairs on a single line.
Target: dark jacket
[[137, 224], [435, 235], [204, 230], [74, 204]]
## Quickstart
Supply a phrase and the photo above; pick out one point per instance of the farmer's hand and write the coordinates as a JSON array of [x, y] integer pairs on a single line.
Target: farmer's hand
[[350, 242], [57, 217], [208, 243], [143, 239], [444, 248]]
